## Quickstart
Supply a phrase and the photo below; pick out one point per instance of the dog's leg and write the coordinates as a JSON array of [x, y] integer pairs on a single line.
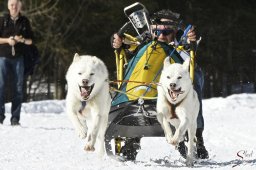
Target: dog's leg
[[180, 131], [101, 136], [93, 132], [162, 110], [166, 126], [191, 136], [168, 130], [80, 129], [71, 103]]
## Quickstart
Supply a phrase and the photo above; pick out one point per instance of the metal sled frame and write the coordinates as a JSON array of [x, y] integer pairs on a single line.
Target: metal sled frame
[[132, 119], [137, 15]]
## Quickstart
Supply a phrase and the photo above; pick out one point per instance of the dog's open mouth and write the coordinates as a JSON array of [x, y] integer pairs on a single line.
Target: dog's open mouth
[[86, 91], [174, 93]]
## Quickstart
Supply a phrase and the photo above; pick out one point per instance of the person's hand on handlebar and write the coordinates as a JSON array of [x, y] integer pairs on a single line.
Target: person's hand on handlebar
[[117, 41]]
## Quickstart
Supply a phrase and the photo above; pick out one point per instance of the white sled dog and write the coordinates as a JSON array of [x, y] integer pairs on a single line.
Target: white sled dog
[[177, 103], [88, 100]]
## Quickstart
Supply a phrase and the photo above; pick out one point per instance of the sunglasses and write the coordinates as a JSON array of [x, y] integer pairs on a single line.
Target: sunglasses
[[165, 32]]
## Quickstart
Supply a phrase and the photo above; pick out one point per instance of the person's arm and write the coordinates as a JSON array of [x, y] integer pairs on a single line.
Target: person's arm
[[10, 41], [23, 40], [27, 41], [117, 41], [191, 35], [191, 39], [3, 40], [125, 42], [26, 37]]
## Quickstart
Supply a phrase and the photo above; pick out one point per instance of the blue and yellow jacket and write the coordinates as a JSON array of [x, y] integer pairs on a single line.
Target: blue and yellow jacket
[[145, 67]]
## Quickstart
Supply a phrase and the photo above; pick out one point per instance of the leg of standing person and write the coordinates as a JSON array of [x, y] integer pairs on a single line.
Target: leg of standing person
[[18, 76], [3, 73]]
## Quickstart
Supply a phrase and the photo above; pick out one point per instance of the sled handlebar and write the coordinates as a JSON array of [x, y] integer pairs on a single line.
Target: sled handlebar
[[123, 29]]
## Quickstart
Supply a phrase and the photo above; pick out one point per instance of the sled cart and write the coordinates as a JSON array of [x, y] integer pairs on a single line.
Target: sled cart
[[133, 111]]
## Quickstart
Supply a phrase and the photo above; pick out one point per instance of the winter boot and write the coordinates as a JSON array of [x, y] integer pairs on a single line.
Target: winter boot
[[130, 149], [183, 150], [14, 122], [202, 153]]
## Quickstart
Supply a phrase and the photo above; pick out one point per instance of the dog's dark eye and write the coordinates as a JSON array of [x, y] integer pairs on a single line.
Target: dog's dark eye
[[91, 74], [168, 77], [79, 73], [179, 77]]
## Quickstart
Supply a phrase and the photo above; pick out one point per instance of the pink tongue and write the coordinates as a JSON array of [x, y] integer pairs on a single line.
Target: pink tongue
[[173, 95], [84, 92]]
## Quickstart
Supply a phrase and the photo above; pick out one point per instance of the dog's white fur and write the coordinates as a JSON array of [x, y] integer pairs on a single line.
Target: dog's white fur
[[176, 92], [90, 121]]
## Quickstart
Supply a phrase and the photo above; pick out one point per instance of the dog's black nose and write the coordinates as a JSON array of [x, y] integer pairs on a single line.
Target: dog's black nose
[[85, 82], [172, 85]]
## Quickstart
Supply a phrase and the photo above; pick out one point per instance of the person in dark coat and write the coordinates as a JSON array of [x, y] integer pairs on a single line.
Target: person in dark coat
[[15, 34]]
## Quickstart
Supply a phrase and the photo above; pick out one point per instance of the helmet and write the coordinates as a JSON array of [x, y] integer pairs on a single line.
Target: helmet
[[166, 14]]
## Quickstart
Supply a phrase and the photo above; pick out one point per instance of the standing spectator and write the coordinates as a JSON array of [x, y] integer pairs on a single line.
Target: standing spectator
[[15, 33]]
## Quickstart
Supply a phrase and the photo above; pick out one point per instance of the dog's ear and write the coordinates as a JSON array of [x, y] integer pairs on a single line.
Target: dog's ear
[[95, 59], [167, 62], [100, 65], [76, 57], [186, 64]]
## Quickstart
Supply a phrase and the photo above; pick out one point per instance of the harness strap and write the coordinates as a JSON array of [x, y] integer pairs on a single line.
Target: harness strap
[[135, 96], [139, 82]]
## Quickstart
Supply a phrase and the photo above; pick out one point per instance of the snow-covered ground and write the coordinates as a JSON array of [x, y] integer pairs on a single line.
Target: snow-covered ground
[[46, 140]]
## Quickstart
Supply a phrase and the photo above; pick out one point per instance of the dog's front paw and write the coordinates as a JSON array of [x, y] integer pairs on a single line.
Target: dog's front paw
[[173, 141], [89, 147], [90, 141]]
